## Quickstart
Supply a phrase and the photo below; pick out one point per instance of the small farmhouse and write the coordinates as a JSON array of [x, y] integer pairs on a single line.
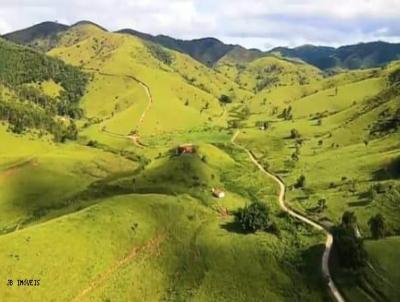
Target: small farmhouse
[[218, 193], [186, 149]]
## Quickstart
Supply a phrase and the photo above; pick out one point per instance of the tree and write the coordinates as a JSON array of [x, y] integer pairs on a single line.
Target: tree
[[349, 220], [225, 99], [253, 217], [294, 134], [301, 182], [377, 226], [322, 204], [351, 252], [287, 113], [72, 131]]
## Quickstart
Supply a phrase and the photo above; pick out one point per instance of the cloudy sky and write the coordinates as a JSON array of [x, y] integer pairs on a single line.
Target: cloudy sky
[[253, 23]]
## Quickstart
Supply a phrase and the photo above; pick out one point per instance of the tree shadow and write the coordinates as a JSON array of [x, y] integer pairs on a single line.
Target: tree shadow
[[234, 227], [360, 203], [392, 170], [310, 268]]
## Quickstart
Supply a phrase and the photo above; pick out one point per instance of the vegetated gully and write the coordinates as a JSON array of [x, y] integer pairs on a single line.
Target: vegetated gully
[[281, 198]]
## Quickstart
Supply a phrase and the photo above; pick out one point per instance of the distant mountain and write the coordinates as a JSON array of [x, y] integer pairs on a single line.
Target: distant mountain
[[86, 22], [41, 35], [207, 50], [241, 55], [363, 55]]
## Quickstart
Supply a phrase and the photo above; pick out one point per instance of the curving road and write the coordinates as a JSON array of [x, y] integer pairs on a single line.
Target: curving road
[[329, 238]]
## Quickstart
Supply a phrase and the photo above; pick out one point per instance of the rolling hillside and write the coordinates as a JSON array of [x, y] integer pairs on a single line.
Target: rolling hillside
[[180, 86], [113, 146], [347, 145]]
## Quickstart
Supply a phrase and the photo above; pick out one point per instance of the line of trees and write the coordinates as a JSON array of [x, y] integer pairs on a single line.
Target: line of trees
[[23, 116]]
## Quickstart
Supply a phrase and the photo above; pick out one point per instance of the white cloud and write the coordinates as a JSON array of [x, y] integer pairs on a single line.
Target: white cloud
[[253, 23]]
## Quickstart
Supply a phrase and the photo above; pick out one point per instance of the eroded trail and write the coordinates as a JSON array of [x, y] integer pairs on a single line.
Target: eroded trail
[[281, 198], [148, 249]]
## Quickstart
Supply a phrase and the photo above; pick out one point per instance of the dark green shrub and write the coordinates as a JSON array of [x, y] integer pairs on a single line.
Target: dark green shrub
[[253, 217]]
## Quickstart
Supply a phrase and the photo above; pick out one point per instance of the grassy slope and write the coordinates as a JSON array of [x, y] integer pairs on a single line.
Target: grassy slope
[[383, 254], [195, 256], [172, 85], [39, 177], [342, 160]]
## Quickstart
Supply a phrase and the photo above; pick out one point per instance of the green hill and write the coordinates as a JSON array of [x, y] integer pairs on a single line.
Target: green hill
[[267, 72], [179, 85], [42, 35]]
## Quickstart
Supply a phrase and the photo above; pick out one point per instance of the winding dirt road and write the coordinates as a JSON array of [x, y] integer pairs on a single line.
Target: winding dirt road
[[281, 198]]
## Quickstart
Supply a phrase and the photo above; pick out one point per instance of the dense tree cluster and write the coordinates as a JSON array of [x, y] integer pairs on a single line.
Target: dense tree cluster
[[253, 217], [22, 116], [160, 54], [28, 107], [21, 65]]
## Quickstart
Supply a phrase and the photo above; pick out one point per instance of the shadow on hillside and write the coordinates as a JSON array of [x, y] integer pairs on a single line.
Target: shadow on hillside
[[392, 170], [360, 203], [37, 197], [311, 263]]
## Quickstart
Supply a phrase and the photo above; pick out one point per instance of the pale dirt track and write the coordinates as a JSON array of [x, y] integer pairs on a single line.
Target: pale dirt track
[[281, 198], [148, 249]]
